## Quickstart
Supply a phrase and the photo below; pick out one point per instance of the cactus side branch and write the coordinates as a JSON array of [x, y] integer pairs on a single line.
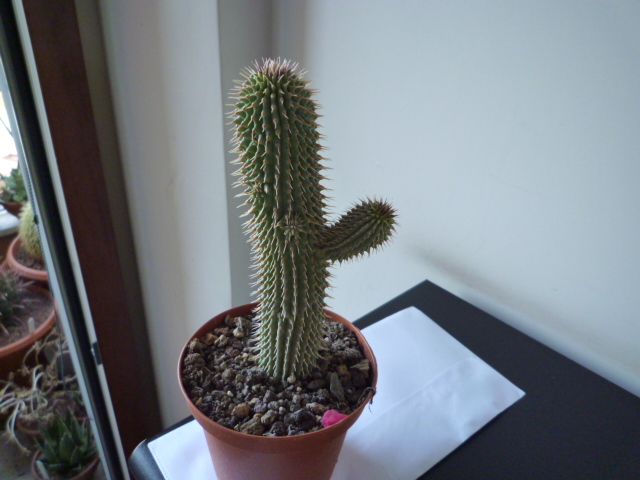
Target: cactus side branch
[[364, 228]]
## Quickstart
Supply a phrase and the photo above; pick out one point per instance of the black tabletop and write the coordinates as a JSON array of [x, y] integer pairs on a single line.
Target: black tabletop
[[571, 424]]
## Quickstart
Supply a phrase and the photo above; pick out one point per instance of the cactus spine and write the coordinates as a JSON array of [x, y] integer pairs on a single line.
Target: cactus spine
[[293, 245], [28, 232]]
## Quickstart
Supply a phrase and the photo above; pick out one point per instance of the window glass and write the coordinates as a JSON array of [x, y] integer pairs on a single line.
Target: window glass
[[43, 403]]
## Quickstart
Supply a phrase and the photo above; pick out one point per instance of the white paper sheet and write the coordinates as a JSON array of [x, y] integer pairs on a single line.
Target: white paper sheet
[[418, 416]]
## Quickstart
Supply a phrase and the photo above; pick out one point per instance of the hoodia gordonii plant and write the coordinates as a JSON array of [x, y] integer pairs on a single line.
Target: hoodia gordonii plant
[[277, 139]]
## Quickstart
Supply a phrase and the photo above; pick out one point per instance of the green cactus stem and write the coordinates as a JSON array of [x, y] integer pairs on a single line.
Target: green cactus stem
[[293, 245], [28, 232]]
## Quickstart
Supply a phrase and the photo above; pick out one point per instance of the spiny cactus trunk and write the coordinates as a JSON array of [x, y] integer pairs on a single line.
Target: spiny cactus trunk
[[277, 140], [28, 232]]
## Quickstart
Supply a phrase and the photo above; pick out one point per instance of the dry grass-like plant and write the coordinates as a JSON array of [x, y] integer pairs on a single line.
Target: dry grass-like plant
[[45, 387]]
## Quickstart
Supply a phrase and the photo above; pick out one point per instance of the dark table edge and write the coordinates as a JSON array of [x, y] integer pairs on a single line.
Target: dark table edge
[[141, 463]]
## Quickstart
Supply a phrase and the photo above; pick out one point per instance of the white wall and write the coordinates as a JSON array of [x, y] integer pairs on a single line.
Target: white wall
[[504, 132], [164, 66], [507, 135], [245, 35]]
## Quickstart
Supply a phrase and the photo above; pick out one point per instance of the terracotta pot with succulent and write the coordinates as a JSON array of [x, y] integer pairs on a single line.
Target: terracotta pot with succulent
[[26, 316], [13, 193], [276, 384], [24, 255], [67, 450]]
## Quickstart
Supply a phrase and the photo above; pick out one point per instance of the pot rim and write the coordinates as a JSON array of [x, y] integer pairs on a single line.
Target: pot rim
[[16, 266], [89, 468], [329, 432]]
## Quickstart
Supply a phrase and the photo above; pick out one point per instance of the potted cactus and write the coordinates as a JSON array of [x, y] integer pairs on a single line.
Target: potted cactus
[[26, 316], [25, 255], [284, 427], [67, 451], [13, 194]]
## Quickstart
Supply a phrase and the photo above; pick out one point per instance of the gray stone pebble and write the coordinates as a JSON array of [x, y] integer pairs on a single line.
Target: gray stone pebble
[[316, 384], [268, 418], [253, 426]]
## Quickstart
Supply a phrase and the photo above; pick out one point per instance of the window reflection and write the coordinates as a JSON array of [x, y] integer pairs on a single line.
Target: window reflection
[[46, 431]]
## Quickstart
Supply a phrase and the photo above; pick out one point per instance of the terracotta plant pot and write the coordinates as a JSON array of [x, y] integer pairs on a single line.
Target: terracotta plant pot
[[310, 456], [85, 474], [11, 356], [38, 277], [30, 434], [14, 208]]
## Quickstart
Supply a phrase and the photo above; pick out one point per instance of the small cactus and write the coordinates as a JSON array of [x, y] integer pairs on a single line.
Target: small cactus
[[28, 233], [277, 139], [67, 446]]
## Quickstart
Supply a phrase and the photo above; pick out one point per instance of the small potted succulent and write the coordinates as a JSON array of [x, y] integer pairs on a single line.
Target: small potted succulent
[[13, 194], [67, 450], [26, 316], [268, 381], [25, 255]]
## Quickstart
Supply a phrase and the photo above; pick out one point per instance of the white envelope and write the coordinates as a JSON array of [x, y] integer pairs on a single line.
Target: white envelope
[[433, 394]]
